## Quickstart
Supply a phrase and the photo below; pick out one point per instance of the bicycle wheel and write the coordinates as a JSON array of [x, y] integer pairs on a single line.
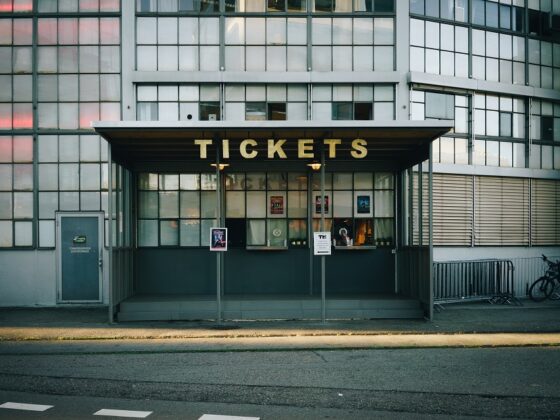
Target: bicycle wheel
[[541, 289]]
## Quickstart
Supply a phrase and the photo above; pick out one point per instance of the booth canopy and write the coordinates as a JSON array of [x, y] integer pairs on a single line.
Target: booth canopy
[[400, 144]]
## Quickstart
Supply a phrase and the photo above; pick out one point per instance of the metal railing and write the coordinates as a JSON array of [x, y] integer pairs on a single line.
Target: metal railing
[[460, 281]]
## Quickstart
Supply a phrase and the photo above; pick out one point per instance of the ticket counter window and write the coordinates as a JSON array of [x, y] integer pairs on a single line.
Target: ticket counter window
[[358, 209], [271, 207], [266, 210]]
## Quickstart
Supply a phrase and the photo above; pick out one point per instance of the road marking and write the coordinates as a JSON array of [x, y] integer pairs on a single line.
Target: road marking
[[27, 407], [123, 413], [219, 417]]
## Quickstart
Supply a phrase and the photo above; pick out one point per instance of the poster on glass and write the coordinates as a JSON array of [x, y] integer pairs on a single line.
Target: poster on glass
[[218, 239]]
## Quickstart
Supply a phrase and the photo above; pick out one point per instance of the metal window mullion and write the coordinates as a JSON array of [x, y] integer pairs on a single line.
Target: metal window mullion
[[35, 163]]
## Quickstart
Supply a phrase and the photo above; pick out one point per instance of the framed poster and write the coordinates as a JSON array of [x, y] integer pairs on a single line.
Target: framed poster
[[317, 204], [218, 239], [363, 204], [276, 204]]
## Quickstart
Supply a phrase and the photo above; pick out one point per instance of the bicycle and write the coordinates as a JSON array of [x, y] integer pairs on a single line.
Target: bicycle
[[545, 287]]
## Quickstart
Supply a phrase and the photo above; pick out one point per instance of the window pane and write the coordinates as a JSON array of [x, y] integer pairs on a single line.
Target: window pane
[[147, 233], [6, 235], [46, 233], [190, 204], [190, 232], [297, 203], [256, 232], [168, 204], [148, 204], [256, 204], [342, 201]]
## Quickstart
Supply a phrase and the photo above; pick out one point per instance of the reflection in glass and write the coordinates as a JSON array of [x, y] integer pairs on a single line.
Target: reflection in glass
[[190, 232]]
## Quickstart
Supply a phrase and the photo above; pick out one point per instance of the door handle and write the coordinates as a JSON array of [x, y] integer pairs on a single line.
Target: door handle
[[100, 262]]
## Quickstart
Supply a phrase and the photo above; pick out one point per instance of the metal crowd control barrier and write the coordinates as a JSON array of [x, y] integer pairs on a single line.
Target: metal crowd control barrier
[[460, 281]]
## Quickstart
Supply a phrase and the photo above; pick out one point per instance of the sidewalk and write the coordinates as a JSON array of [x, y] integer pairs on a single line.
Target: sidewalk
[[24, 324]]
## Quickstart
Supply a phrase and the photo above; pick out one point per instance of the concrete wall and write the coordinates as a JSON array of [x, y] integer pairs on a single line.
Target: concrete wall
[[28, 278]]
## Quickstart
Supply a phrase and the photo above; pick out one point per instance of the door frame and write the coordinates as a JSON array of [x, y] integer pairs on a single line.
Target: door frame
[[101, 242]]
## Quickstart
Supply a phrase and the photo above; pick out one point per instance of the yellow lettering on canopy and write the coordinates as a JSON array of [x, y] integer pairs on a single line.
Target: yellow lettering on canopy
[[275, 147], [203, 143], [243, 149], [332, 146], [305, 149], [360, 150], [225, 148]]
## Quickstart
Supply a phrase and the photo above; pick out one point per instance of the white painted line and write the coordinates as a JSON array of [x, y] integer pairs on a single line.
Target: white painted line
[[219, 417], [27, 407], [123, 413]]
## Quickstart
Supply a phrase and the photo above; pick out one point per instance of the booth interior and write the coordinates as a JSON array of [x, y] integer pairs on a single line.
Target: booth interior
[[271, 185]]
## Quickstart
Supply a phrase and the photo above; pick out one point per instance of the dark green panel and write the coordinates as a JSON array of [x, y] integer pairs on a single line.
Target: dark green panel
[[175, 271], [193, 271], [267, 272], [357, 272]]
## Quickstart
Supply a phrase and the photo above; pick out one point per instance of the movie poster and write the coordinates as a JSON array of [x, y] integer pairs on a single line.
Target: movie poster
[[277, 204], [363, 204], [318, 204], [218, 239]]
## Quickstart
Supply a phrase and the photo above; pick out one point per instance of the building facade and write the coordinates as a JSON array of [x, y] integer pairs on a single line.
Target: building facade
[[490, 68]]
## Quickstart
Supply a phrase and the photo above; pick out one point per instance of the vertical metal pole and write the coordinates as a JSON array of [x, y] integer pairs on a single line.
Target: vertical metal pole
[[430, 237], [310, 229], [218, 221], [323, 295], [110, 233]]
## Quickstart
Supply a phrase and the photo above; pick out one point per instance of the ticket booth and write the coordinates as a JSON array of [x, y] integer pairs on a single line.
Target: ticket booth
[[272, 184]]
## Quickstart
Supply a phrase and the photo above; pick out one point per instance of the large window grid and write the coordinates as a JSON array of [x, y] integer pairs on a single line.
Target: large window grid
[[69, 6], [265, 102], [457, 10], [492, 14], [72, 176], [178, 102], [508, 15], [545, 135], [262, 6], [544, 64], [266, 209], [347, 102], [176, 209], [16, 67], [345, 44], [496, 56], [452, 148], [265, 44], [16, 191], [439, 48], [78, 61], [271, 44], [499, 129], [359, 208], [171, 43], [544, 18]]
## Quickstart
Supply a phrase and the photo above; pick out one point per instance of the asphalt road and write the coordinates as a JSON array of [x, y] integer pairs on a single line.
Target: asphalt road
[[520, 382]]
